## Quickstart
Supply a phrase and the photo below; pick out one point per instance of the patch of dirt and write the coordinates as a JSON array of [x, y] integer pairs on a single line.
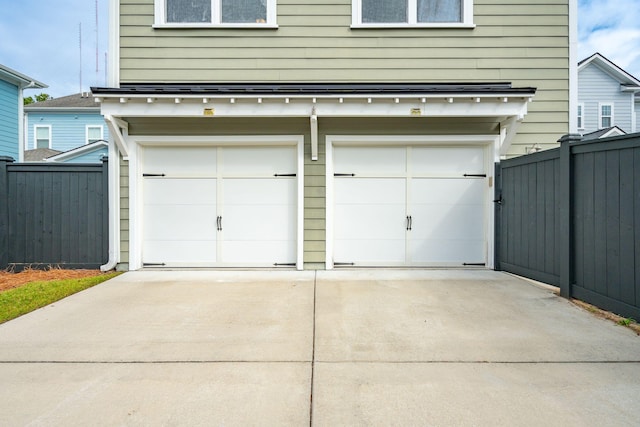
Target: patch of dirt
[[634, 326], [10, 280]]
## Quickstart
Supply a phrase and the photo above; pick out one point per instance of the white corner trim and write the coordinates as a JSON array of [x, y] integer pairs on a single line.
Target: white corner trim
[[113, 78], [573, 67]]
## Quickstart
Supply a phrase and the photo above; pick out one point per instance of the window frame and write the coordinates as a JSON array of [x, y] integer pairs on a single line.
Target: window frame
[[86, 133], [35, 136], [600, 116], [580, 116], [412, 19], [160, 18]]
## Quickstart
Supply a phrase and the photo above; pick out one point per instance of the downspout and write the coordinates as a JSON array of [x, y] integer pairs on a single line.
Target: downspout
[[114, 207]]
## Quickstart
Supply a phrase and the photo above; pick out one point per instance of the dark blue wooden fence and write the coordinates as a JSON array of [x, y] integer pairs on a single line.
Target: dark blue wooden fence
[[53, 215], [571, 217]]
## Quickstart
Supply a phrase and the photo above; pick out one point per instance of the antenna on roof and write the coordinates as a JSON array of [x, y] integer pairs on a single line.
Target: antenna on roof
[[97, 45], [80, 40]]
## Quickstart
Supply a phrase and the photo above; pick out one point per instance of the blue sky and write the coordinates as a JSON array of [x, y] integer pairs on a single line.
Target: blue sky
[[40, 38]]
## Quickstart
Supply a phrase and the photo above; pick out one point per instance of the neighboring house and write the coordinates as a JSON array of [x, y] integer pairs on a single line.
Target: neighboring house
[[70, 124], [12, 84], [607, 96], [316, 135]]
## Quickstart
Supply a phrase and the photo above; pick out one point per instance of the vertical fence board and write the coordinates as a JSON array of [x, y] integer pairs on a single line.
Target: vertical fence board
[[627, 256], [599, 229], [613, 224]]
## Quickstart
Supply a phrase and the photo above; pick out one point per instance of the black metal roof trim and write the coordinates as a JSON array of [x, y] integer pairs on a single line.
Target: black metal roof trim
[[313, 89]]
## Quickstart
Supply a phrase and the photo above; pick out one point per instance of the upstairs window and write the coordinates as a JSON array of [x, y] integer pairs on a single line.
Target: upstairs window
[[412, 13], [94, 134], [606, 116], [42, 136], [215, 13]]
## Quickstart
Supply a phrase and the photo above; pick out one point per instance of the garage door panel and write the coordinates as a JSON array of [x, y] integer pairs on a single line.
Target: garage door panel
[[180, 161], [370, 251], [172, 191], [266, 222], [256, 252], [370, 160], [369, 191], [263, 191], [447, 161], [447, 251], [374, 221], [439, 221], [448, 191], [186, 252], [258, 161], [180, 222]]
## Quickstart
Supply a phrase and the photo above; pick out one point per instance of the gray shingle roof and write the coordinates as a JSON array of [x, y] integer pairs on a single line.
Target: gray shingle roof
[[77, 100]]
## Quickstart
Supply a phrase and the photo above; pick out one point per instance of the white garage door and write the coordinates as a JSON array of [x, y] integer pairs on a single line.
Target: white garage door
[[219, 206], [404, 206]]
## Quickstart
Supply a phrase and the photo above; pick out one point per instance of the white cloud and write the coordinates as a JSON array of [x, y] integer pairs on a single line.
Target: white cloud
[[611, 28]]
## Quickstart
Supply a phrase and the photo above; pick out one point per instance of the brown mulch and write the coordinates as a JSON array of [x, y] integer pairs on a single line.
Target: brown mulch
[[10, 280]]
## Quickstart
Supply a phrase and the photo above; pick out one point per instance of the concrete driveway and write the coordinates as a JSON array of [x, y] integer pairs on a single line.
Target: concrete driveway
[[371, 347]]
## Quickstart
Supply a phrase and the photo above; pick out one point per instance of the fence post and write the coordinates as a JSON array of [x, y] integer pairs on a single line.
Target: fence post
[[566, 202], [4, 212], [497, 216]]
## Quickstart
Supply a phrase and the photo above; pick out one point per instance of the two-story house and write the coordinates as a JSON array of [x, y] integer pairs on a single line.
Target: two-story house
[[12, 85], [274, 133], [607, 98], [70, 126]]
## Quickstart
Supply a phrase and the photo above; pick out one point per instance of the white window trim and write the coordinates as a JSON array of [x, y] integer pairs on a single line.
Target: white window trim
[[603, 104], [86, 133], [467, 18], [160, 20], [580, 117], [35, 135]]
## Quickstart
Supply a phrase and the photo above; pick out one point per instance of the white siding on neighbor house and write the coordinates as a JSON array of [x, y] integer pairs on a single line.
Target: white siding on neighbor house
[[637, 108], [522, 42], [598, 87], [9, 122], [68, 129]]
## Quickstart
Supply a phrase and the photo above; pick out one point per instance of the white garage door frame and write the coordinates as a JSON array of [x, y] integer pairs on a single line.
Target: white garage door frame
[[136, 196], [490, 143]]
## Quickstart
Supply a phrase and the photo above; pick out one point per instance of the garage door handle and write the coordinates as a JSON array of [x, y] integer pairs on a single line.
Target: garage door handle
[[219, 220], [475, 175], [409, 223]]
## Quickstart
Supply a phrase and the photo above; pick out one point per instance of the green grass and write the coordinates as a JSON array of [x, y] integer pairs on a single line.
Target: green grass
[[24, 299]]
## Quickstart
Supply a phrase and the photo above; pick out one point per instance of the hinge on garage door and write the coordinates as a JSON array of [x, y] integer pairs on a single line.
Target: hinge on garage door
[[152, 174], [344, 174], [284, 174], [344, 264], [474, 264], [475, 175], [292, 264], [153, 264]]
